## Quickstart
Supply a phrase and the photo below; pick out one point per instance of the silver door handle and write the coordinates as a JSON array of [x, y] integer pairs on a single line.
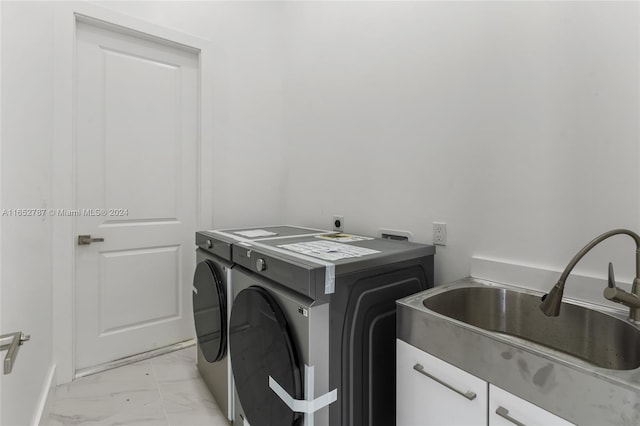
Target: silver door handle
[[468, 394], [10, 343], [84, 240], [504, 413]]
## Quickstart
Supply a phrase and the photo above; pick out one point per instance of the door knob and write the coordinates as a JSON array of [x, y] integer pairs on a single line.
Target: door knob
[[84, 240]]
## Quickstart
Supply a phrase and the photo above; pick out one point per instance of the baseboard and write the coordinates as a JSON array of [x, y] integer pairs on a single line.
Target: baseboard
[[46, 400], [134, 358], [578, 287]]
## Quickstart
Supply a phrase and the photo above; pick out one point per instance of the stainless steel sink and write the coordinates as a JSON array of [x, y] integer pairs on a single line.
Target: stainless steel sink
[[595, 337], [583, 365]]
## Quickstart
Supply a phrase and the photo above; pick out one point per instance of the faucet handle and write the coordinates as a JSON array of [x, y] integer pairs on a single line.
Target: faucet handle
[[612, 278], [618, 295]]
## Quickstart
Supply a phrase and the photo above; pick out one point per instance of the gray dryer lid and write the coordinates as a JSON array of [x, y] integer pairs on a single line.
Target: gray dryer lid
[[354, 255], [220, 242], [293, 262]]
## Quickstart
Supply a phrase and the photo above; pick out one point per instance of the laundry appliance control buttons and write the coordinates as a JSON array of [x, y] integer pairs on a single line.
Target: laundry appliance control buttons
[[261, 265]]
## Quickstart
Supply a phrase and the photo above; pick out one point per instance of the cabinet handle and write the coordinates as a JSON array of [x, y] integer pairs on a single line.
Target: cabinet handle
[[468, 394], [504, 413]]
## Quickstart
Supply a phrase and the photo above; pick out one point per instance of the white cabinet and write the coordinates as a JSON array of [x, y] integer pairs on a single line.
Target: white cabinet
[[431, 391], [506, 409]]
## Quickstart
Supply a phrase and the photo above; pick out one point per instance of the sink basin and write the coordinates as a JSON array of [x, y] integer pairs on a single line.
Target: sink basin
[[597, 338], [583, 365]]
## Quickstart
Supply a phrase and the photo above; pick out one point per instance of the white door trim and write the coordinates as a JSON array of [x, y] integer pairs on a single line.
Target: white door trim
[[63, 160]]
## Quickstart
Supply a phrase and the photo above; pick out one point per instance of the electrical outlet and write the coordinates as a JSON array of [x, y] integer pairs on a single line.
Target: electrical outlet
[[338, 223], [440, 233]]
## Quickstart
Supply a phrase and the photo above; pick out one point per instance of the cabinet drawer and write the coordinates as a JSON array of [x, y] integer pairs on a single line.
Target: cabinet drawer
[[433, 392], [506, 409]]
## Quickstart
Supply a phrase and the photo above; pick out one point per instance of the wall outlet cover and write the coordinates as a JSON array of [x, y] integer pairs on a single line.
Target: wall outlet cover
[[440, 233]]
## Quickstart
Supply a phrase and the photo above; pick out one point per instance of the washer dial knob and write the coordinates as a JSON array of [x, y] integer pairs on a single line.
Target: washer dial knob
[[261, 265]]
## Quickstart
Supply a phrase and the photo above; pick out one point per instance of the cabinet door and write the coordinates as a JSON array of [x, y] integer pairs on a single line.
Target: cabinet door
[[506, 409], [433, 392]]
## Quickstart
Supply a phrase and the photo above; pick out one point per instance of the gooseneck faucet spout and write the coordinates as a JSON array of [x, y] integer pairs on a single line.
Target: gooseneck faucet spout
[[552, 301]]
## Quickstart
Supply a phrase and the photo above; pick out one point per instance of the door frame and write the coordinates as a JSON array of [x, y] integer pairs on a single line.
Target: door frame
[[64, 155]]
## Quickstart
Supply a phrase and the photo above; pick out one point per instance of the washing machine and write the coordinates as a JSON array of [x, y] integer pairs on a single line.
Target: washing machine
[[211, 303], [276, 333], [212, 300], [312, 328]]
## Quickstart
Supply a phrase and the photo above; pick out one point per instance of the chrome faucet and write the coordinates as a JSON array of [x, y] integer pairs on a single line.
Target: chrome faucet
[[551, 302]]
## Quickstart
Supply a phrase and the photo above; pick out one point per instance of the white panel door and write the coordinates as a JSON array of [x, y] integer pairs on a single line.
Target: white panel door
[[136, 185]]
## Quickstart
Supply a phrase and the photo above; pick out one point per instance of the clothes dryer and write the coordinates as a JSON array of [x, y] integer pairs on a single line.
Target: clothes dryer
[[312, 328]]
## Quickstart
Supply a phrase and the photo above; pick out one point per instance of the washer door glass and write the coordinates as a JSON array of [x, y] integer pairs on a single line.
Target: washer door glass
[[210, 311], [261, 345]]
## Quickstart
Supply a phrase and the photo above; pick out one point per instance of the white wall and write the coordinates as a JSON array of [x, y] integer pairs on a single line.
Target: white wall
[[516, 123], [248, 95], [27, 131]]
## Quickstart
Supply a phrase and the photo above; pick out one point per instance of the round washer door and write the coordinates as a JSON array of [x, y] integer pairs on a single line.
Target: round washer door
[[261, 345], [210, 311]]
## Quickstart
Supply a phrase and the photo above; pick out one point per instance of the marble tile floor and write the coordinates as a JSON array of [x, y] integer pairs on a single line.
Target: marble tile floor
[[166, 390]]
